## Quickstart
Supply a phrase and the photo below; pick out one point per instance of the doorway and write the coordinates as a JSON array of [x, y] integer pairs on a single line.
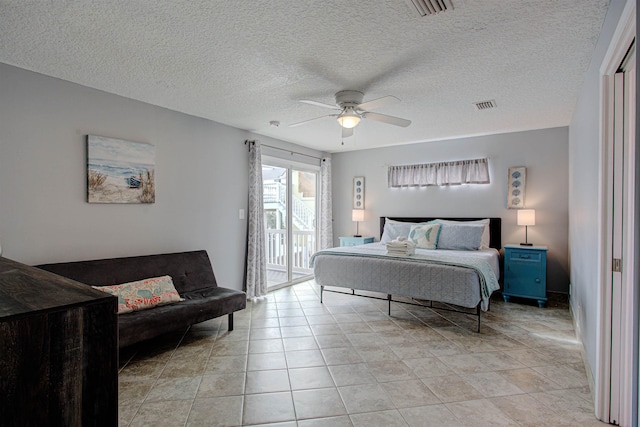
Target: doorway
[[617, 380], [290, 211]]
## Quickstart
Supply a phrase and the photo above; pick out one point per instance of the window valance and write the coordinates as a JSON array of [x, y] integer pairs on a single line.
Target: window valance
[[444, 173]]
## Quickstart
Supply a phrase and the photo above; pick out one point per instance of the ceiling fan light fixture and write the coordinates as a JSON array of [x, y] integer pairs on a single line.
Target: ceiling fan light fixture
[[348, 119]]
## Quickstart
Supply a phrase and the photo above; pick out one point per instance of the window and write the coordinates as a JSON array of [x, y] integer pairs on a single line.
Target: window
[[444, 173]]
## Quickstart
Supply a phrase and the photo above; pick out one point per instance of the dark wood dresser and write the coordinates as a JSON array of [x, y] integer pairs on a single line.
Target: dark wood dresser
[[58, 350]]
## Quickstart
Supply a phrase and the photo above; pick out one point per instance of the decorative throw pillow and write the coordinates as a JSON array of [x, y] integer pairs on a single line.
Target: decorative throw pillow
[[425, 236], [143, 294], [461, 237]]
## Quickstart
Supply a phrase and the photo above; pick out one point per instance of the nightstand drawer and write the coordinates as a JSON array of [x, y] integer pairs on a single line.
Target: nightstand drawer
[[524, 255]]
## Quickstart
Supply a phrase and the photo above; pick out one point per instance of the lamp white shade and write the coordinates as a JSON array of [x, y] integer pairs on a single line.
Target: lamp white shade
[[526, 217], [357, 215]]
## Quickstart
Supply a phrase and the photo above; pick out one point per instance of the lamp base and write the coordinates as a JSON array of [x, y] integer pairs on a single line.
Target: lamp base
[[526, 244], [357, 235]]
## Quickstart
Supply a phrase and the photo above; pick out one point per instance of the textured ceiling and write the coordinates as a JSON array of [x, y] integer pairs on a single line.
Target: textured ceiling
[[245, 63]]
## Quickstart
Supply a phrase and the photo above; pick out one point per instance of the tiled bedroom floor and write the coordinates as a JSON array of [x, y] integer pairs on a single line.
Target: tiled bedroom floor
[[292, 361]]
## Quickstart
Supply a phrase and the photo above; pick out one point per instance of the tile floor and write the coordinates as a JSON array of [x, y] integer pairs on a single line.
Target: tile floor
[[292, 361]]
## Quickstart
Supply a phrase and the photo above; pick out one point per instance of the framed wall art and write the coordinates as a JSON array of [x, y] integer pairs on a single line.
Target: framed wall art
[[120, 171], [358, 192], [516, 190]]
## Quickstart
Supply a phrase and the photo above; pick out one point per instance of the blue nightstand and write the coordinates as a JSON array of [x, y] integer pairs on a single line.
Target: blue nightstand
[[353, 241], [525, 273]]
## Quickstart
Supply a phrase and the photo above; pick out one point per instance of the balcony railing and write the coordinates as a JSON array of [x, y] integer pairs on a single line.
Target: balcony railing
[[276, 192], [304, 243]]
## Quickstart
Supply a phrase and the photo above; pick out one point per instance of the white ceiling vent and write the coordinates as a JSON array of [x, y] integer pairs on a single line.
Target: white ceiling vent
[[485, 105], [431, 7]]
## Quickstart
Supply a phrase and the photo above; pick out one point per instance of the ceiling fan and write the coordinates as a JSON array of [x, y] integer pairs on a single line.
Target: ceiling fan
[[350, 110]]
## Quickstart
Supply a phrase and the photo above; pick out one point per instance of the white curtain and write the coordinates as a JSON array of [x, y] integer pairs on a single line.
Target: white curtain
[[256, 274], [445, 173], [326, 216]]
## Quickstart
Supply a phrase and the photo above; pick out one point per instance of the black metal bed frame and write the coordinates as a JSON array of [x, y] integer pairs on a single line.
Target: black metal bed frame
[[390, 300]]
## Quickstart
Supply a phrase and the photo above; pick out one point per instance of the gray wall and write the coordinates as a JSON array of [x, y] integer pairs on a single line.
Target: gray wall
[[584, 188], [544, 153], [201, 178]]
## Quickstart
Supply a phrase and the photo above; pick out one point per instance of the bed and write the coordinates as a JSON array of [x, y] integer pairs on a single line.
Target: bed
[[461, 279]]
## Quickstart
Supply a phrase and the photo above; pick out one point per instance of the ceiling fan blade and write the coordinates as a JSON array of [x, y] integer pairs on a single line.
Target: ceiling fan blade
[[346, 133], [304, 122], [320, 104], [379, 102], [397, 121]]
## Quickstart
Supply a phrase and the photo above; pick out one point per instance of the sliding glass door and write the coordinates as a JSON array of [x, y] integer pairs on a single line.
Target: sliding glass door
[[290, 207]]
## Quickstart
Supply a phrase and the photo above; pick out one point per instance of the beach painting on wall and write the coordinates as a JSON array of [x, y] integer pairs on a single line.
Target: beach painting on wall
[[120, 171]]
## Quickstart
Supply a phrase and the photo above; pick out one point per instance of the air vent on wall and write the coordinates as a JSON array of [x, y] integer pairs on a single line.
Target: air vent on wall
[[485, 105], [431, 7]]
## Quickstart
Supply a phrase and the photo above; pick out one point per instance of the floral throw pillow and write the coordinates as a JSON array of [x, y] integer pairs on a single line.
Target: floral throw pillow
[[425, 236], [143, 294]]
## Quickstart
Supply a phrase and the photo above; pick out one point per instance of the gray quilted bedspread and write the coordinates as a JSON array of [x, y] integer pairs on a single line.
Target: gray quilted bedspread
[[436, 276]]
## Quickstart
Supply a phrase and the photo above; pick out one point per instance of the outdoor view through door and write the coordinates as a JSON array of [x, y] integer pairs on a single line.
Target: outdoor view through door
[[289, 197]]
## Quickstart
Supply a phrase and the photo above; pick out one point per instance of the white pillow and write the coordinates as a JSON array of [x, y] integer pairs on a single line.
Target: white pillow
[[486, 237], [460, 237], [425, 236]]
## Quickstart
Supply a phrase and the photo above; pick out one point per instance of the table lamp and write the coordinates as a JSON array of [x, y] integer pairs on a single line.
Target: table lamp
[[357, 215], [526, 217]]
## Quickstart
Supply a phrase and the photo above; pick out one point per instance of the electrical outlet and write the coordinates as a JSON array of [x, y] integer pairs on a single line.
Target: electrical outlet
[[241, 214]]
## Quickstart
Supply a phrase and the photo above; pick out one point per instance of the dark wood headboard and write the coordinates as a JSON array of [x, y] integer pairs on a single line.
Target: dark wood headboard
[[495, 226]]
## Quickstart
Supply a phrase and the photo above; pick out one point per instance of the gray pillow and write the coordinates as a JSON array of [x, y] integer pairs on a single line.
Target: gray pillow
[[394, 229], [460, 237]]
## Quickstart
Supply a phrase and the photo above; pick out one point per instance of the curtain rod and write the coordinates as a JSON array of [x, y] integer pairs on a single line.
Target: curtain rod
[[284, 149]]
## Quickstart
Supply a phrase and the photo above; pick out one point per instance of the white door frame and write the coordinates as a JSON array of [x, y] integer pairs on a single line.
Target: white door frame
[[290, 165], [613, 394]]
